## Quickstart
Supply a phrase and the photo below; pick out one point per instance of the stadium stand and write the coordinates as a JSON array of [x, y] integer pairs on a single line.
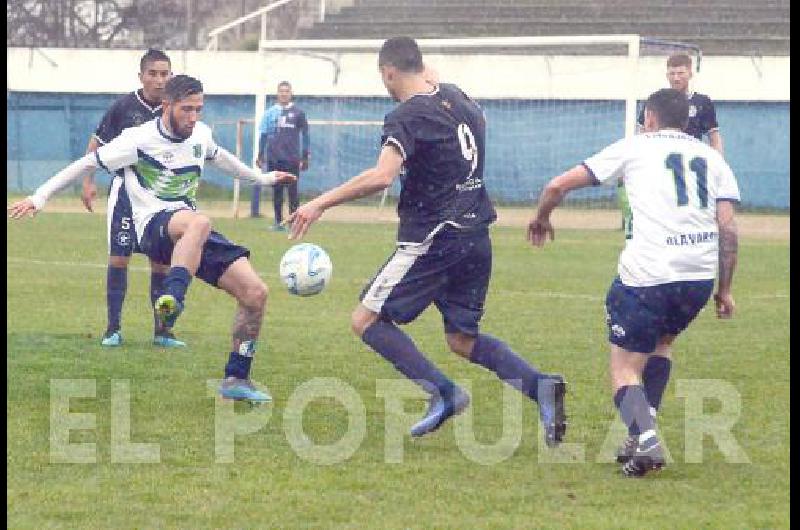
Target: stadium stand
[[719, 27]]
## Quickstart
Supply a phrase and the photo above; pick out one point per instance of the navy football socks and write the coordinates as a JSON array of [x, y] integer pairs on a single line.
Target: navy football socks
[[655, 377], [398, 348], [116, 286], [634, 409], [495, 355], [239, 365], [156, 290], [177, 282]]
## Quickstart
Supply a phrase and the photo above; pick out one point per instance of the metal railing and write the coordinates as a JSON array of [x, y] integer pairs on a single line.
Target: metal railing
[[213, 35]]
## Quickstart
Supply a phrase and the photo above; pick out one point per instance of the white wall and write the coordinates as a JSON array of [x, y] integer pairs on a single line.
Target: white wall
[[483, 76]]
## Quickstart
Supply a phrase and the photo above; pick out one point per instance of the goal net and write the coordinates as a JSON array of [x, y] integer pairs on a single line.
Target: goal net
[[545, 107]]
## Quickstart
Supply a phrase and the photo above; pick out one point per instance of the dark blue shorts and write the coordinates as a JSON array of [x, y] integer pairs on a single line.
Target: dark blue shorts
[[638, 317], [218, 253], [121, 233], [452, 271]]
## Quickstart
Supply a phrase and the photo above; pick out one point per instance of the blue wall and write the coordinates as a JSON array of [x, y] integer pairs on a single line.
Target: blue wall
[[529, 141]]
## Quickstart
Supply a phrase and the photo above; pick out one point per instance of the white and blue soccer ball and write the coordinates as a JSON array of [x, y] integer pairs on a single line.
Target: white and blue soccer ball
[[306, 269]]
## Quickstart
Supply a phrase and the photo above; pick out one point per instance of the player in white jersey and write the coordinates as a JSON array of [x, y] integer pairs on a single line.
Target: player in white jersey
[[162, 162], [682, 195]]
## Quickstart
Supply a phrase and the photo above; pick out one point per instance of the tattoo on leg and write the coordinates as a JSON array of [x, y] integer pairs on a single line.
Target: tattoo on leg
[[246, 326]]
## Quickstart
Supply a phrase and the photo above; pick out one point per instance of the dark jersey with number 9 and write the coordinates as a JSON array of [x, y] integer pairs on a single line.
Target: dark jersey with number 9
[[441, 137]]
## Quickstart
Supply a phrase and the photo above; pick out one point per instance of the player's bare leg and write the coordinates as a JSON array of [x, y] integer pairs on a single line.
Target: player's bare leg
[[631, 401], [547, 390], [189, 231], [242, 282]]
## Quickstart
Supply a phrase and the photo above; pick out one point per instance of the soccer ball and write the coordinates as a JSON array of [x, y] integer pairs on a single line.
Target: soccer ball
[[306, 269]]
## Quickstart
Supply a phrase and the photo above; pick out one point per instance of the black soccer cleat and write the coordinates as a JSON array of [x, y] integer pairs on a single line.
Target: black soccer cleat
[[626, 450], [551, 409], [648, 456]]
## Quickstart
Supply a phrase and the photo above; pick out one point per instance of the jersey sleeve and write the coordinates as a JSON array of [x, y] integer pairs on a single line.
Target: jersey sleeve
[[212, 149], [708, 119], [118, 153], [398, 132], [109, 127], [727, 187], [608, 163]]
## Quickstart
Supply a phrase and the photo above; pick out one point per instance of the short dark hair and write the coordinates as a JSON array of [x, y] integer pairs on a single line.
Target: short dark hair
[[152, 55], [679, 59], [402, 53], [670, 106], [286, 84], [182, 86]]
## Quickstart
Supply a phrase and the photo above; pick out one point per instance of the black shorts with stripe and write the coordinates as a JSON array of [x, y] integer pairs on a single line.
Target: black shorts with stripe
[[452, 271]]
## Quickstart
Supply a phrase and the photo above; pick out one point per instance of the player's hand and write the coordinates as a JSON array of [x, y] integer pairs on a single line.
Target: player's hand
[[88, 194], [538, 229], [21, 208], [725, 305], [282, 177], [259, 164], [301, 220], [303, 164]]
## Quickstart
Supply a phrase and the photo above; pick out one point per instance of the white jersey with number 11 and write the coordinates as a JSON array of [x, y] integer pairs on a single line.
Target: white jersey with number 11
[[673, 183]]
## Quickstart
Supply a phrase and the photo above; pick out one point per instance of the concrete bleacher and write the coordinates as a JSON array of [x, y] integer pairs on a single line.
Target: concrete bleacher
[[719, 27]]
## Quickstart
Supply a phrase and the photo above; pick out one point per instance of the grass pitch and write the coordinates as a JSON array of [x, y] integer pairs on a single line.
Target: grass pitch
[[548, 304]]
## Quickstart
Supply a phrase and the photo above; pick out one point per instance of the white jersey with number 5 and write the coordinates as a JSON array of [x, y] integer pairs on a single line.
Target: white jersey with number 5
[[673, 183], [161, 172]]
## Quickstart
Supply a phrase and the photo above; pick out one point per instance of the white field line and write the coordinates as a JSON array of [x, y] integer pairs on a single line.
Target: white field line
[[540, 294]]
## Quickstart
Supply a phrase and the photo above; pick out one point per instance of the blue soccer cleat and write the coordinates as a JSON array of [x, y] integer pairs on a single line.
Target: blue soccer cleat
[[242, 390], [111, 339], [439, 410], [551, 409], [168, 340], [168, 308]]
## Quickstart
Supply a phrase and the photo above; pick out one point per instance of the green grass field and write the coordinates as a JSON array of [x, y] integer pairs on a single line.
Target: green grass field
[[546, 303]]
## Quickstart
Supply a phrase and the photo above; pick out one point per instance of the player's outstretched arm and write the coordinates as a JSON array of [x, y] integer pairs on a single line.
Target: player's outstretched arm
[[539, 227], [32, 204], [89, 188], [366, 183], [728, 256], [231, 165]]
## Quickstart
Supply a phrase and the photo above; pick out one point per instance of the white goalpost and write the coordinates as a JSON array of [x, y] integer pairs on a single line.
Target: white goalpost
[[544, 106]]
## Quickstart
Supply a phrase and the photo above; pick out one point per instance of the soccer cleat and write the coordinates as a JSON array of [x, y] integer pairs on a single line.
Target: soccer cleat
[[551, 409], [168, 340], [168, 308], [439, 410], [278, 228], [242, 390], [111, 339], [626, 450], [647, 456]]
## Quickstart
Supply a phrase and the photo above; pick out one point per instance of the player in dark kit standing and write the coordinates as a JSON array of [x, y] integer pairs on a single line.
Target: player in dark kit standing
[[443, 254], [283, 146], [130, 110], [702, 115]]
